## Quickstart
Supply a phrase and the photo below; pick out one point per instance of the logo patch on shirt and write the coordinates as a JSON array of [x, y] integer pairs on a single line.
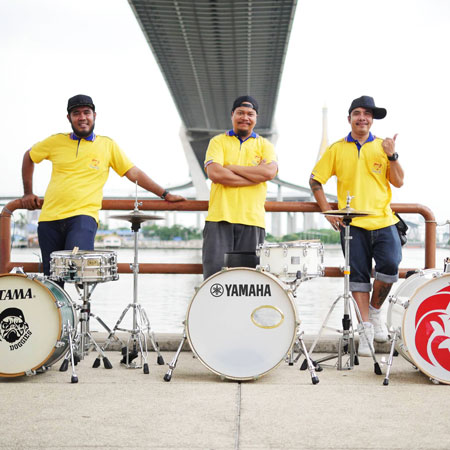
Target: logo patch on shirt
[[95, 163], [377, 167]]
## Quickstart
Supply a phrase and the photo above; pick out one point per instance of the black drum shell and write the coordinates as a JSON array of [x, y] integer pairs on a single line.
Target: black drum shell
[[241, 259]]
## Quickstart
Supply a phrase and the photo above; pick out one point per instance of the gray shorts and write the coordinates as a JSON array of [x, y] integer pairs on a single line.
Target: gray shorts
[[222, 237]]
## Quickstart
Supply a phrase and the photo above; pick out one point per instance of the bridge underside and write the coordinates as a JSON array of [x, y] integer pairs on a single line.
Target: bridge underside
[[212, 51]]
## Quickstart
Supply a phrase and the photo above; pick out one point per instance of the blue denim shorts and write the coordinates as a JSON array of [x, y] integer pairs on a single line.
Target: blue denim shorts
[[381, 245], [65, 234]]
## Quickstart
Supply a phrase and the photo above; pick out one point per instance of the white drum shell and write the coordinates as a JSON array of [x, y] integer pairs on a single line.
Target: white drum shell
[[83, 266], [421, 287], [46, 309], [286, 259], [221, 329]]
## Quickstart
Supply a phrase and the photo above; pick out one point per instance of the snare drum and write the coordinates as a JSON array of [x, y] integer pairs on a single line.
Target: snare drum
[[241, 323], [34, 319], [420, 308], [84, 266], [287, 260]]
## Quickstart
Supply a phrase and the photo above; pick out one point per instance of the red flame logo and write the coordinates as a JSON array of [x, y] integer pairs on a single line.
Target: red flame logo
[[432, 326]]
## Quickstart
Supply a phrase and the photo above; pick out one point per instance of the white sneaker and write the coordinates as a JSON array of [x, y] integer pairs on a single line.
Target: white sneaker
[[381, 333], [364, 349]]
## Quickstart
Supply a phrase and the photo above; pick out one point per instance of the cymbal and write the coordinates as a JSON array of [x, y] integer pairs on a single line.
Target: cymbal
[[136, 217], [347, 212]]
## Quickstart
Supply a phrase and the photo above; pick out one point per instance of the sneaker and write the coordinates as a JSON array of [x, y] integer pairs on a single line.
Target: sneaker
[[381, 333], [364, 349]]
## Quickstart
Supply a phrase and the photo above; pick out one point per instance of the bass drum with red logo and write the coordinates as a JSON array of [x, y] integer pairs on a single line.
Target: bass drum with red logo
[[421, 309], [241, 323], [35, 319]]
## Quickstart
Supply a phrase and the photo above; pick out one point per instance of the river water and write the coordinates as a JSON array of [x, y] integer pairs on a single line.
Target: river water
[[166, 297]]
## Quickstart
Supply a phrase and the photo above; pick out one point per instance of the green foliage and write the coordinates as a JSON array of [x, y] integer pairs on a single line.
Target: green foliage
[[170, 233], [325, 235]]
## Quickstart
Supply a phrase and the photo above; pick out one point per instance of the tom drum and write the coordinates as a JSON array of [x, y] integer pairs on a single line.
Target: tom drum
[[84, 266], [291, 260]]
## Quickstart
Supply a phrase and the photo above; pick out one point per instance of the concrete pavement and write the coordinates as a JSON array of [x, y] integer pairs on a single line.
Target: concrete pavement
[[126, 409]]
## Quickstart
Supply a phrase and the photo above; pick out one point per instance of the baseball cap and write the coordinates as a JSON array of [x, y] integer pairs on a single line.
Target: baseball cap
[[80, 100], [368, 103], [245, 100]]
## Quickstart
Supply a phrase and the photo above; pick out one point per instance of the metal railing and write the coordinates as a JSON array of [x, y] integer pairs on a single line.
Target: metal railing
[[7, 265]]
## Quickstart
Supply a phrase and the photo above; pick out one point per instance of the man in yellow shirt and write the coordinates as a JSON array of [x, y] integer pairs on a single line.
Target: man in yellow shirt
[[80, 168], [238, 162], [365, 167]]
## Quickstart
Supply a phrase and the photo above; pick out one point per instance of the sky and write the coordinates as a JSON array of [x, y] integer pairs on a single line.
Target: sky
[[394, 50]]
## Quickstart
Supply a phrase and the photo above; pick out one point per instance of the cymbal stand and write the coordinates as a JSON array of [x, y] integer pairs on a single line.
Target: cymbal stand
[[83, 340], [346, 344], [137, 342]]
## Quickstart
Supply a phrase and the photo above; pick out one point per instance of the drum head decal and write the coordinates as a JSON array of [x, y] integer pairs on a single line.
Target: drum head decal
[[433, 329], [426, 328], [13, 325]]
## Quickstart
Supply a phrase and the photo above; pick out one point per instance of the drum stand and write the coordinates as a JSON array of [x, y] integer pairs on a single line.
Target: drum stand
[[346, 344], [83, 341], [137, 342]]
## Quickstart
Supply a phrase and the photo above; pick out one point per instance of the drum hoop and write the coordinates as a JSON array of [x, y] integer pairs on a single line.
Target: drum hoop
[[18, 374], [304, 244], [200, 358]]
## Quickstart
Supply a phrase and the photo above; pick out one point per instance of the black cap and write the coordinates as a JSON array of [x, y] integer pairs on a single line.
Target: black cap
[[245, 100], [368, 103], [80, 100]]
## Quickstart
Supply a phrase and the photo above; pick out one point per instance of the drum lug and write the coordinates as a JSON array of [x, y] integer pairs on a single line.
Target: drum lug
[[58, 304], [434, 381], [305, 251], [406, 304], [59, 344], [30, 373]]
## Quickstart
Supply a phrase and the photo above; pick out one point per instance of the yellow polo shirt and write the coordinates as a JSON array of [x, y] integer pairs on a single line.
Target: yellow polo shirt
[[80, 169], [244, 205], [363, 174]]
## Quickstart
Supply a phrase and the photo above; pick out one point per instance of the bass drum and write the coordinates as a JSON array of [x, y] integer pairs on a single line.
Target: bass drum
[[420, 308], [241, 323], [34, 318]]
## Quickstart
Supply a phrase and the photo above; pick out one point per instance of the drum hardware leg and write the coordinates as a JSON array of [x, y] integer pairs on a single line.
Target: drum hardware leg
[[314, 377], [74, 378], [140, 318], [173, 364], [391, 357], [84, 339]]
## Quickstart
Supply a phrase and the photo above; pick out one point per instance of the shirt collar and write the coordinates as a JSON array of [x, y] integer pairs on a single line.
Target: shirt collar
[[90, 138], [349, 138], [232, 133]]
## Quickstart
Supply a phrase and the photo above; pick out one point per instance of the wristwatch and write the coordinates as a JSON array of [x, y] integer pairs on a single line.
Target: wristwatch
[[393, 157], [164, 194]]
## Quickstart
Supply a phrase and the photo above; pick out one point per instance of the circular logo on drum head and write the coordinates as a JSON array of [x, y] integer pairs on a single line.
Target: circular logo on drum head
[[216, 290], [12, 325], [432, 325]]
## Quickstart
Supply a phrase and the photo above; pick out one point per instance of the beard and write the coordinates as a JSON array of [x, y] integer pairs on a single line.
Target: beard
[[243, 133], [83, 134]]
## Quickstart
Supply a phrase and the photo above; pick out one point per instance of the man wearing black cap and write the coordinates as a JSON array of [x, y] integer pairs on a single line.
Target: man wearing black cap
[[80, 168], [238, 162], [365, 167]]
